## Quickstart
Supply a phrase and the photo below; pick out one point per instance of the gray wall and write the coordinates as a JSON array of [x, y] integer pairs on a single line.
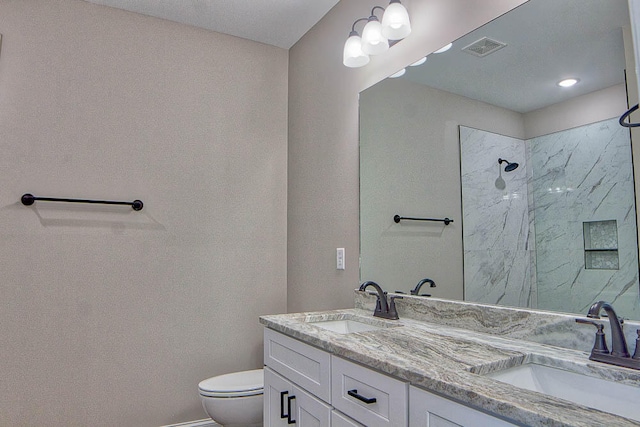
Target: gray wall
[[111, 317], [323, 138]]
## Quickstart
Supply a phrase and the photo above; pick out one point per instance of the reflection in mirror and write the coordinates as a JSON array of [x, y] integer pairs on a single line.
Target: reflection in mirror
[[558, 231]]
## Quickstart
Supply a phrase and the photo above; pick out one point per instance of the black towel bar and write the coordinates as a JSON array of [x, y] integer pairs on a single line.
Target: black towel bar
[[29, 199], [398, 218]]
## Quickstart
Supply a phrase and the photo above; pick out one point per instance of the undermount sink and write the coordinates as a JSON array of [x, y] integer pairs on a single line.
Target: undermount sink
[[605, 395], [347, 324]]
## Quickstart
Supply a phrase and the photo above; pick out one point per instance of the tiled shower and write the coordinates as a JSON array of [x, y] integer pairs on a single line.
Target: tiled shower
[[558, 232]]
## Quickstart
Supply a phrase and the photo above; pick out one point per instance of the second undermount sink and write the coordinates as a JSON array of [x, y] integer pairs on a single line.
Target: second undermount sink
[[605, 395], [347, 324]]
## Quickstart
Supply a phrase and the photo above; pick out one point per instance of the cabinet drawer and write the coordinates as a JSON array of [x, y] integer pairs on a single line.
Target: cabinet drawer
[[367, 396], [430, 410], [306, 366]]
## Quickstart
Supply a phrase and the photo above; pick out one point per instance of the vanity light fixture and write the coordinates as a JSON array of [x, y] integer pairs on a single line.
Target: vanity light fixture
[[419, 62], [376, 35], [568, 82]]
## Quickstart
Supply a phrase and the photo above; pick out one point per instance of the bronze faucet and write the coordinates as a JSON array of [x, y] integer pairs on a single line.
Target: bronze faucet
[[385, 309], [416, 290], [619, 354]]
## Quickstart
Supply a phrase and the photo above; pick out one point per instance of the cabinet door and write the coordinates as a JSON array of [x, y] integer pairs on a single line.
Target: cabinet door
[[310, 411], [429, 410], [278, 400], [286, 404], [338, 419]]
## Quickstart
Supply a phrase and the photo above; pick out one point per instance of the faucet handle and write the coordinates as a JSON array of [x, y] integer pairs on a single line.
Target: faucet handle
[[636, 354], [393, 313], [600, 344]]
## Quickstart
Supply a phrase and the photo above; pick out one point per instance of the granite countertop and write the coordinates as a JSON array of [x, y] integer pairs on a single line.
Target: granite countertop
[[449, 360]]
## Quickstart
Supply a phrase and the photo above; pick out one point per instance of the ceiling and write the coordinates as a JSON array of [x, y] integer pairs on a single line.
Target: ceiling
[[547, 40], [279, 23]]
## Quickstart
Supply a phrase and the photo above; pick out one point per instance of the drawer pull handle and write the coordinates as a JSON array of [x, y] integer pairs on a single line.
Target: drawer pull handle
[[289, 420], [282, 395], [367, 400]]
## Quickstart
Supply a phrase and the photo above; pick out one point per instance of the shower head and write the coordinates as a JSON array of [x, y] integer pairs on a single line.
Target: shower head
[[510, 166]]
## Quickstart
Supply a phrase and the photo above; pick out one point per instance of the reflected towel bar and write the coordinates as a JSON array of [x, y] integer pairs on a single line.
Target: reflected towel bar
[[398, 218], [627, 114], [29, 199]]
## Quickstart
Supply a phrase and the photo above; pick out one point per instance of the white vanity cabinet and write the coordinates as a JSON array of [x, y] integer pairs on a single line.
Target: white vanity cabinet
[[429, 410], [305, 386]]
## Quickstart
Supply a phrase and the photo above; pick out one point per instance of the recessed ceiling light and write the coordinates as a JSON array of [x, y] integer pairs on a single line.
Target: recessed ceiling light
[[419, 62], [444, 48], [398, 74], [568, 82]]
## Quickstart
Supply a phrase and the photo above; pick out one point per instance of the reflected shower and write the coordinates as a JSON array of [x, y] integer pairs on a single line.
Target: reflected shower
[[510, 166]]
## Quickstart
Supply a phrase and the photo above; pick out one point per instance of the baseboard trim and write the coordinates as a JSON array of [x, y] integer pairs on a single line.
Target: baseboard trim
[[198, 423]]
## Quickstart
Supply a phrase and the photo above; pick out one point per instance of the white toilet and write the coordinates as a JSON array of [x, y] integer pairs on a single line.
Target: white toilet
[[234, 399]]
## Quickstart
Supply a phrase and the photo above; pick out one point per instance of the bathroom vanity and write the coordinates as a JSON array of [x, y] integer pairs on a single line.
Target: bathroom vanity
[[347, 368]]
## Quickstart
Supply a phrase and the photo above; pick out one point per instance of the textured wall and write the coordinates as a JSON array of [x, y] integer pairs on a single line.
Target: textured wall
[[323, 137], [108, 316]]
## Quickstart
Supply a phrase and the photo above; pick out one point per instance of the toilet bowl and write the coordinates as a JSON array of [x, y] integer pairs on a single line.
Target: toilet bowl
[[234, 399]]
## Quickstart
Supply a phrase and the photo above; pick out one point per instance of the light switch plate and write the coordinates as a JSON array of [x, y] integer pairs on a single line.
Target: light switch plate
[[340, 258]]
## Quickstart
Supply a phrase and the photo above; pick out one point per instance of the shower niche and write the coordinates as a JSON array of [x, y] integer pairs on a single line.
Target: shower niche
[[601, 245]]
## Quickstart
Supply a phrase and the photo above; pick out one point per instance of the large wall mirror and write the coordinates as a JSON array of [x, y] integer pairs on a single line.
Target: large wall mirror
[[551, 227]]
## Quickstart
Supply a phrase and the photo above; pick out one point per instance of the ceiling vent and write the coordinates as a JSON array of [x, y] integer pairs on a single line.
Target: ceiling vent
[[484, 47]]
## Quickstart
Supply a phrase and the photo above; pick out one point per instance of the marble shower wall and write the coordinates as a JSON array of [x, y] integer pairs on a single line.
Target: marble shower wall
[[496, 228], [524, 236], [583, 175]]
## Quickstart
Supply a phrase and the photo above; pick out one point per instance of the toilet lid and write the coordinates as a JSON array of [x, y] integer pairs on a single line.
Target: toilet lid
[[245, 383]]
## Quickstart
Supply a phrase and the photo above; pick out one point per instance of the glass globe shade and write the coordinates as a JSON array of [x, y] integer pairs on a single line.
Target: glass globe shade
[[353, 56], [373, 42], [395, 22]]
